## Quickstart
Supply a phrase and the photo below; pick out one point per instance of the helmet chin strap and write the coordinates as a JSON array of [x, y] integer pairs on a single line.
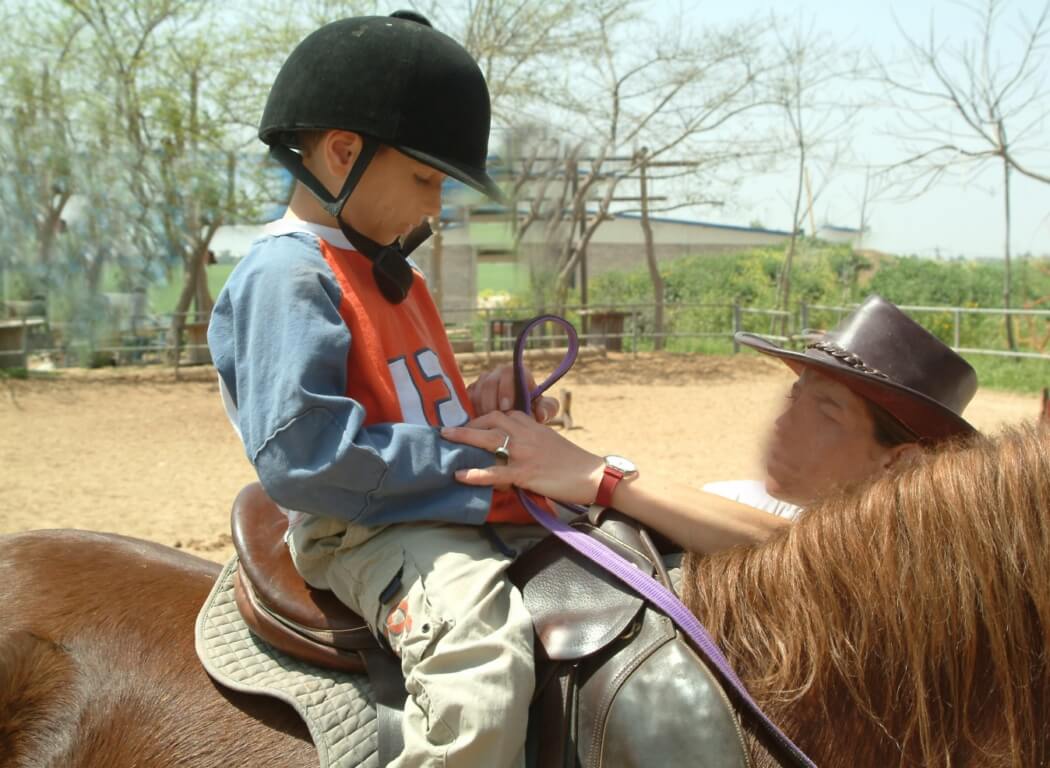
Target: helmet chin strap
[[390, 267]]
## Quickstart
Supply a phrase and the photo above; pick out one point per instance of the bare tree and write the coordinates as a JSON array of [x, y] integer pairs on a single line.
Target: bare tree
[[877, 186], [37, 143], [165, 71], [539, 176], [544, 176], [520, 45], [815, 118], [965, 105], [63, 207], [664, 89]]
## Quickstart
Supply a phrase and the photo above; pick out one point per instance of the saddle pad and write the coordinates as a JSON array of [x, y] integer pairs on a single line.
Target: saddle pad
[[337, 707]]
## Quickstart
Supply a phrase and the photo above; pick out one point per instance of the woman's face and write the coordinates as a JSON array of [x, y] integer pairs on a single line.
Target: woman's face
[[824, 439]]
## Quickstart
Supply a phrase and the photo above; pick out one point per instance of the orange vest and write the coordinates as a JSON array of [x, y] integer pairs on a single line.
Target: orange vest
[[400, 367]]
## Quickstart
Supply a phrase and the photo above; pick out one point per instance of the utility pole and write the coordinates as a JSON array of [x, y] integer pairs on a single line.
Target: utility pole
[[650, 255], [574, 185], [809, 194], [583, 269], [581, 219]]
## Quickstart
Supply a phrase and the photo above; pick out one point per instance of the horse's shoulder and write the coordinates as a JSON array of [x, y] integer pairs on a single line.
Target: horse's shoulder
[[55, 548]]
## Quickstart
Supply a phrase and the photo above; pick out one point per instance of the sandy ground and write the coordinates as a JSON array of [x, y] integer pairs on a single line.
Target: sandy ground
[[139, 454]]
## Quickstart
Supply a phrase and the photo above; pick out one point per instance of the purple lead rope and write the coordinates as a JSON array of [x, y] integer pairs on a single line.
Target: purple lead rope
[[646, 586]]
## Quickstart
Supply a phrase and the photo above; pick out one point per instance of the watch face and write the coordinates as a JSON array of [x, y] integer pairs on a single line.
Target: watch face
[[619, 462]]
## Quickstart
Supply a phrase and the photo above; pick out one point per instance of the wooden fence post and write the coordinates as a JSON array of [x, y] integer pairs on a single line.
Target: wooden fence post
[[737, 327], [634, 332], [25, 344], [488, 336]]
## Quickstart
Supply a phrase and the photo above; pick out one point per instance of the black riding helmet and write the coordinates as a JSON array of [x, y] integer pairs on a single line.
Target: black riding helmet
[[396, 81]]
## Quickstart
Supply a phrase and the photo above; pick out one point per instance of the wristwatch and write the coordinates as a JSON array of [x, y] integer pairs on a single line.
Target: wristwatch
[[616, 469]]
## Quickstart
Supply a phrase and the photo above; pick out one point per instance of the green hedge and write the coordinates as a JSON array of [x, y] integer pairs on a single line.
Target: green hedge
[[836, 275]]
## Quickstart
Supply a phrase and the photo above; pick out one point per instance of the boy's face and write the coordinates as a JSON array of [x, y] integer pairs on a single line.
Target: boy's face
[[395, 194]]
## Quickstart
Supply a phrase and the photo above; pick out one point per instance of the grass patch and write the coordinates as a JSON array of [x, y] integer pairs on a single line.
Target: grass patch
[[503, 277], [1013, 374], [164, 296]]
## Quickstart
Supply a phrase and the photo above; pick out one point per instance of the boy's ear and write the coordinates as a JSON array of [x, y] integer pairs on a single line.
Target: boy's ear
[[340, 149]]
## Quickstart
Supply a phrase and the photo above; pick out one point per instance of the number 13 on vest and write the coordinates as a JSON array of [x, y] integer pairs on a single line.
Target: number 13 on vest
[[425, 392]]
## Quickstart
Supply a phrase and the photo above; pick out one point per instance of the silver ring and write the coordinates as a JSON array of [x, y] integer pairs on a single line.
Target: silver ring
[[502, 451]]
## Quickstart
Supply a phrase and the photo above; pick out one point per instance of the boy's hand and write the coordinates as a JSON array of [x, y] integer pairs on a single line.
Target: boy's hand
[[494, 391]]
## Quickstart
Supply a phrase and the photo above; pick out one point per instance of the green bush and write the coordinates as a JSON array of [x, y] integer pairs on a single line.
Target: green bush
[[837, 276], [822, 272]]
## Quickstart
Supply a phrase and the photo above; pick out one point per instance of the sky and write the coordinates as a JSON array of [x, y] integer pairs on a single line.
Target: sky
[[959, 216]]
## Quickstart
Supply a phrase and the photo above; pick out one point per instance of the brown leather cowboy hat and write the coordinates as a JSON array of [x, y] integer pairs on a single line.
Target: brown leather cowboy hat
[[885, 357]]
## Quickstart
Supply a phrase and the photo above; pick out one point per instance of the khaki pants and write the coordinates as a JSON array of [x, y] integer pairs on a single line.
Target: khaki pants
[[439, 594]]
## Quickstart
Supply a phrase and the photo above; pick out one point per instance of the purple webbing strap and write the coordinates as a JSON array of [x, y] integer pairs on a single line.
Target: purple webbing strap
[[646, 586]]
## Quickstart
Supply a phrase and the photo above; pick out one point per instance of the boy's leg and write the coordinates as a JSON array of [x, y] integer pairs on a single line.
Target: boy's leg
[[462, 632]]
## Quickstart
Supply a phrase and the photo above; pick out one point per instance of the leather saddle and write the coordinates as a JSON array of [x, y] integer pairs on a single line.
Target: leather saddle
[[616, 684], [307, 623]]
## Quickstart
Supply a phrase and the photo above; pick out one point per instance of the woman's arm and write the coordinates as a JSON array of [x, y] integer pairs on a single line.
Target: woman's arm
[[544, 462], [697, 521]]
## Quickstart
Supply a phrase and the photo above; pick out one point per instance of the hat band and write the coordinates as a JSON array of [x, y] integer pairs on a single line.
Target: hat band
[[847, 358]]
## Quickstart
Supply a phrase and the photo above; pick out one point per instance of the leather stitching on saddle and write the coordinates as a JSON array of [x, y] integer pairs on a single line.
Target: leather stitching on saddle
[[599, 533], [326, 636]]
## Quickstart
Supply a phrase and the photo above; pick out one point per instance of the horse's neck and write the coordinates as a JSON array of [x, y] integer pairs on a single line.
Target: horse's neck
[[918, 633], [744, 607], [786, 616]]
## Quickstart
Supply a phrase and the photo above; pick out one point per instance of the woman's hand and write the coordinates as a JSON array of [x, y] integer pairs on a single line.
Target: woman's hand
[[493, 391], [540, 460]]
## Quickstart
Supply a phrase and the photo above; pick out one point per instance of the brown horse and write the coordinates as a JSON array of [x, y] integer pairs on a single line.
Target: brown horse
[[907, 625], [97, 666]]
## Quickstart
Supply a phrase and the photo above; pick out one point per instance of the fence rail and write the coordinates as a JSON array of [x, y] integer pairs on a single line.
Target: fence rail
[[617, 327]]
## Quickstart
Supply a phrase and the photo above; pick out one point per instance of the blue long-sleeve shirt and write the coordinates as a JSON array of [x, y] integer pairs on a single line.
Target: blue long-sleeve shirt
[[338, 394]]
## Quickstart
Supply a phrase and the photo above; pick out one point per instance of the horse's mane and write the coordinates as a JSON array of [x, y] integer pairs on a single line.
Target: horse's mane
[[906, 623]]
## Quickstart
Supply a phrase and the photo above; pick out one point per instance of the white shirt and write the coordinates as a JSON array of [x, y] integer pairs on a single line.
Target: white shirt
[[754, 494]]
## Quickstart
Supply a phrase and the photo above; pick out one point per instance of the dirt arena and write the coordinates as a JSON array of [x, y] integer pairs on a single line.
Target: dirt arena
[[137, 453]]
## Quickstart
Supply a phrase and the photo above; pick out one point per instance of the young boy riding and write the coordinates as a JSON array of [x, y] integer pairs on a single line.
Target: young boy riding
[[336, 370]]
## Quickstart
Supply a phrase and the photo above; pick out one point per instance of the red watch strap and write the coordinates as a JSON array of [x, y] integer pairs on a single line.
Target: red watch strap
[[610, 480]]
